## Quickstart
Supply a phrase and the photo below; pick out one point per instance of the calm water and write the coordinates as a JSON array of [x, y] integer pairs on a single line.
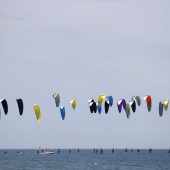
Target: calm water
[[85, 159]]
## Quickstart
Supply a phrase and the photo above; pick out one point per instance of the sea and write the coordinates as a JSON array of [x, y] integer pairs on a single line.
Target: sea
[[85, 159]]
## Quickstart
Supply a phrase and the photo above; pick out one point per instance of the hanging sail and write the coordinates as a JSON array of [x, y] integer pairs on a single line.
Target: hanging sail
[[20, 106], [4, 105], [56, 96], [73, 103], [100, 99], [148, 101], [121, 103], [161, 106], [106, 106], [62, 111], [37, 112], [128, 110], [137, 98], [133, 105], [110, 98]]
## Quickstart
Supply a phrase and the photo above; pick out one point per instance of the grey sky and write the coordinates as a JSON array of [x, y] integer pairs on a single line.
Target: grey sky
[[82, 49]]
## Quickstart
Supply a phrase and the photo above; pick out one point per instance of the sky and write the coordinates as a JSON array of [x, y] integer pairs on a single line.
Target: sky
[[81, 49]]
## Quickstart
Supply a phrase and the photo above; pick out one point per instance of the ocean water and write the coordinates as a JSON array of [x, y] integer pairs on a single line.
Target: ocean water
[[84, 160]]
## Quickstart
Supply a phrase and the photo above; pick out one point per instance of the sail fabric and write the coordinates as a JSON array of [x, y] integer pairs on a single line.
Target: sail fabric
[[99, 108], [100, 99], [133, 105], [4, 105], [161, 107], [73, 103], [128, 110], [20, 106], [121, 103], [137, 98], [62, 111], [110, 98], [37, 112], [92, 105], [148, 101], [106, 106], [56, 96], [166, 104]]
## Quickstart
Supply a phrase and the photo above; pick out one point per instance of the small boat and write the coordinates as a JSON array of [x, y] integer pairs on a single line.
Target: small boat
[[42, 152]]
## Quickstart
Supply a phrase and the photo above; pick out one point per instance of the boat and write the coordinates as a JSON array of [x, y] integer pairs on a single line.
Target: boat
[[43, 152]]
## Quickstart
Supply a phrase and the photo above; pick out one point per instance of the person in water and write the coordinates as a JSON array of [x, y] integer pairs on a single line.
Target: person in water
[[126, 150], [94, 150], [150, 150], [138, 150], [113, 150], [101, 151], [5, 152], [78, 150], [58, 151], [69, 150]]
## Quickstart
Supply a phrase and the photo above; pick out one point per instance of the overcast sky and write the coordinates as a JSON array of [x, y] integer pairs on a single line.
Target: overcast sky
[[80, 49]]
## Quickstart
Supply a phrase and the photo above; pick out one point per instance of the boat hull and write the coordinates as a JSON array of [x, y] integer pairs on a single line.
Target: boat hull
[[45, 153]]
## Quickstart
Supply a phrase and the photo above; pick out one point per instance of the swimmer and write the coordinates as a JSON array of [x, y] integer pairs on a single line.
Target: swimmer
[[101, 151], [126, 150], [69, 150], [150, 150]]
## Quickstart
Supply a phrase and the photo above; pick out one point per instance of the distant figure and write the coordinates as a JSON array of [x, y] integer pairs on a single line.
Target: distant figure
[[42, 150], [58, 151], [131, 150], [126, 150], [138, 150], [37, 152], [69, 151], [78, 150], [5, 152], [169, 150], [113, 150], [94, 150], [101, 151], [150, 150], [19, 152]]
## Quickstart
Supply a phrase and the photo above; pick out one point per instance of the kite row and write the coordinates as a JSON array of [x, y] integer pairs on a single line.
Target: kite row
[[94, 106], [127, 106]]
